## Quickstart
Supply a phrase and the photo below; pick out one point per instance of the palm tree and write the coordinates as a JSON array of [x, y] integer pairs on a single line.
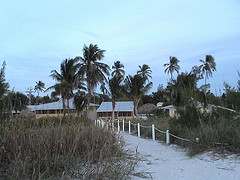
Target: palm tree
[[172, 66], [79, 101], [39, 87], [68, 69], [136, 87], [145, 71], [63, 89], [91, 69], [66, 79], [207, 67], [115, 91], [118, 69], [103, 88]]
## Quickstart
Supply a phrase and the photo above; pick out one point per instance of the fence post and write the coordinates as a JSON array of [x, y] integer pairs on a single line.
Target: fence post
[[123, 126], [153, 132], [129, 127], [167, 137], [113, 125], [138, 130], [102, 123], [118, 127]]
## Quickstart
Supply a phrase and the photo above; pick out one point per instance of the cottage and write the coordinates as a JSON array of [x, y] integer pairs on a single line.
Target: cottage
[[171, 110], [56, 109], [123, 110]]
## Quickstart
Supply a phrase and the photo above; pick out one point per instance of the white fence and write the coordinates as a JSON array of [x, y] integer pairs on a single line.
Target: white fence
[[110, 124]]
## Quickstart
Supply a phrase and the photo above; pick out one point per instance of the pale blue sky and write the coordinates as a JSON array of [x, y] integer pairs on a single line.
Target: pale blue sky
[[35, 36]]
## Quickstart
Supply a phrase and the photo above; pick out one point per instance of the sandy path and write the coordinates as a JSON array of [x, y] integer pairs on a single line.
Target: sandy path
[[169, 162]]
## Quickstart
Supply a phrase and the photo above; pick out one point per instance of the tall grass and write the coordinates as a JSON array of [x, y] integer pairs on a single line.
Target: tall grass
[[60, 148]]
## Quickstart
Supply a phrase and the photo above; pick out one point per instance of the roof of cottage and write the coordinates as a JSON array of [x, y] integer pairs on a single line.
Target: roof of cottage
[[54, 105], [120, 106]]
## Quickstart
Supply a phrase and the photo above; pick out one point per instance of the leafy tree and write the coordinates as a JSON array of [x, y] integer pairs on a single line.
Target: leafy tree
[[145, 71], [3, 88], [115, 91], [30, 94], [118, 69], [91, 69], [161, 95], [136, 87], [3, 85], [16, 101], [183, 88], [172, 66], [39, 87], [232, 97]]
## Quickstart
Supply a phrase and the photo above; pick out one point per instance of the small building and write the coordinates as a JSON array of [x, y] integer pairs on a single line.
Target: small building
[[56, 109], [160, 105], [171, 110], [146, 110], [123, 110]]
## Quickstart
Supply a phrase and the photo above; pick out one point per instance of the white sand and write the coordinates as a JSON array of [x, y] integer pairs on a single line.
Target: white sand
[[170, 162]]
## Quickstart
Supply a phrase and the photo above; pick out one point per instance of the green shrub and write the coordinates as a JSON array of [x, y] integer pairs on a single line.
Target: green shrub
[[218, 131]]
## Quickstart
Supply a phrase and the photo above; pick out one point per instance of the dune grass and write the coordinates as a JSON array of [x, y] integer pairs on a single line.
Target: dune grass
[[53, 148]]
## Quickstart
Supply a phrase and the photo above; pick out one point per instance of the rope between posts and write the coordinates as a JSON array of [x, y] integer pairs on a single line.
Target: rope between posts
[[145, 126], [180, 138], [160, 130], [183, 139], [133, 123]]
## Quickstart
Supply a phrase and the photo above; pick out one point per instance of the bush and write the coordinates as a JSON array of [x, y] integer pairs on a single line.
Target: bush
[[218, 131]]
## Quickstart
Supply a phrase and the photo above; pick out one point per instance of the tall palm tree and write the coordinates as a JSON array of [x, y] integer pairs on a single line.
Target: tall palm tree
[[145, 71], [91, 69], [172, 66], [66, 79], [39, 87], [136, 87], [207, 67], [118, 69], [115, 91]]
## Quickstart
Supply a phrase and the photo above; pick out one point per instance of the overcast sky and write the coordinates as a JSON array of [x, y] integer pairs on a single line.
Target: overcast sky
[[35, 36]]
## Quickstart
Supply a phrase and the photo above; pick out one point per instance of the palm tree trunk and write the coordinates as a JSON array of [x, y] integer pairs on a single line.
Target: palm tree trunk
[[136, 101], [89, 93], [68, 105], [64, 107], [113, 110], [205, 91]]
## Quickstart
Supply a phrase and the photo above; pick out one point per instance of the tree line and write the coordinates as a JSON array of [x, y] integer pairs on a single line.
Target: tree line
[[79, 77]]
